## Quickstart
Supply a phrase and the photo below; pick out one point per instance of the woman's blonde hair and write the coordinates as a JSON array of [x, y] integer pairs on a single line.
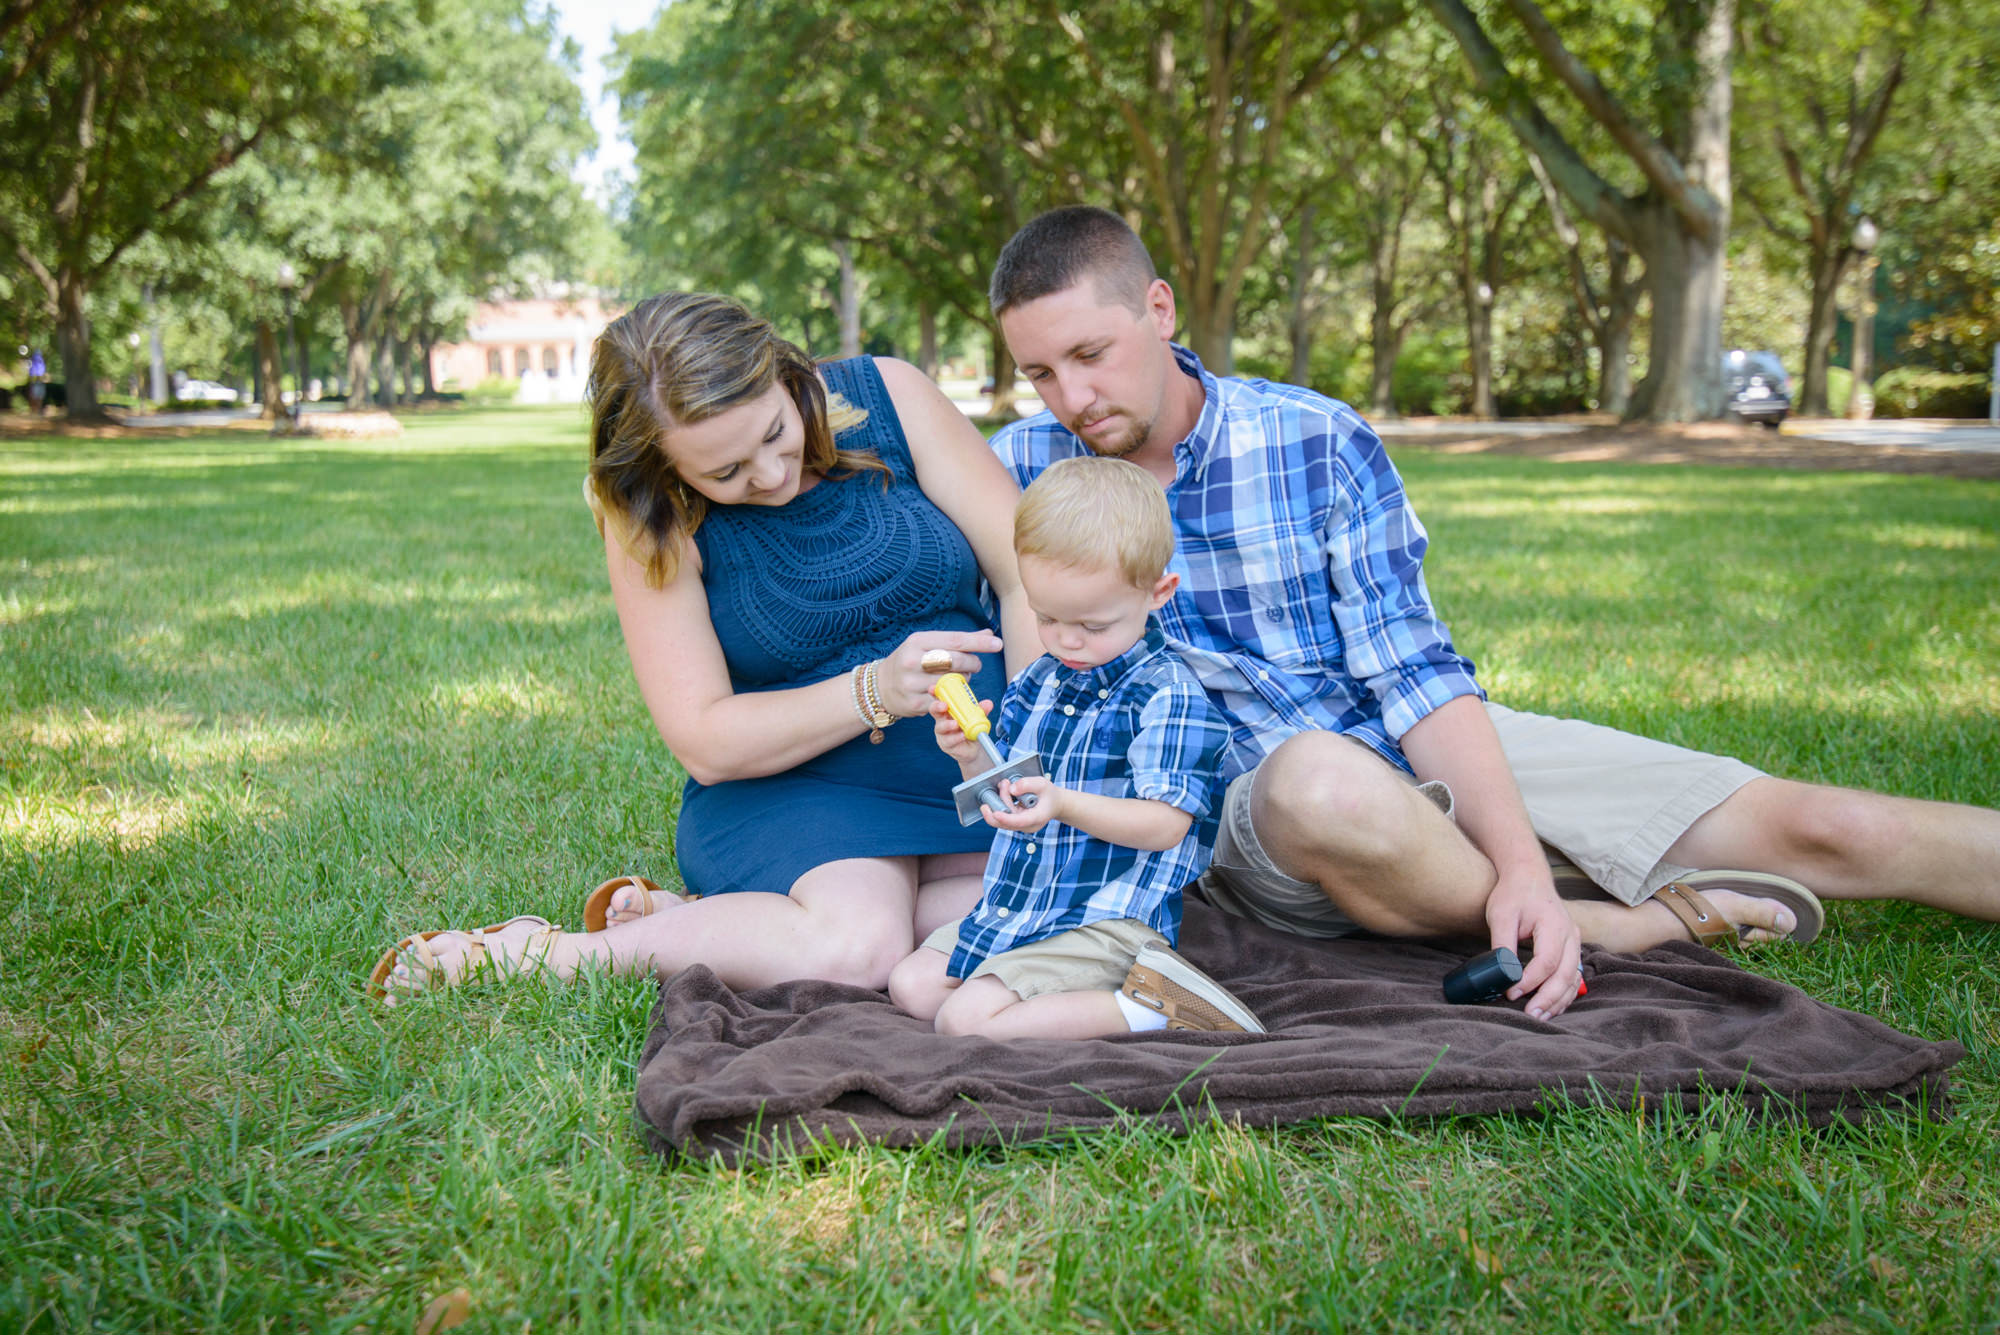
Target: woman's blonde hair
[[1096, 514], [675, 360]]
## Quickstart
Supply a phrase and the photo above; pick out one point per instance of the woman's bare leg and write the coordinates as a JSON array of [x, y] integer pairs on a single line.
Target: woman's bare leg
[[948, 885], [848, 921]]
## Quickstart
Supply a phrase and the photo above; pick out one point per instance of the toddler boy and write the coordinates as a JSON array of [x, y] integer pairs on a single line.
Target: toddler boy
[[1073, 935]]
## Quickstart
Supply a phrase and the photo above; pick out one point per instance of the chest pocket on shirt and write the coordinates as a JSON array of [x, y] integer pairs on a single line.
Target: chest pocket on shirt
[[1273, 597]]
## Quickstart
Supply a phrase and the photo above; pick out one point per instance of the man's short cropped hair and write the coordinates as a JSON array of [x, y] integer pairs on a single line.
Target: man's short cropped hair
[[1097, 514], [1061, 248]]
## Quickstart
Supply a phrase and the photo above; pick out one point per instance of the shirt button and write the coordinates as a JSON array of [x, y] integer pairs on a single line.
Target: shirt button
[[1104, 695], [1263, 674], [1001, 913], [1031, 848], [1070, 710]]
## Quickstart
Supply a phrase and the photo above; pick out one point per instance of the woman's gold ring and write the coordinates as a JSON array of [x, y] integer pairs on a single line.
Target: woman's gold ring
[[937, 660]]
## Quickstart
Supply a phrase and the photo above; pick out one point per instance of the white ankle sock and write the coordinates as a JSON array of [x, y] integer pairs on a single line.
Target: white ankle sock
[[1139, 1019]]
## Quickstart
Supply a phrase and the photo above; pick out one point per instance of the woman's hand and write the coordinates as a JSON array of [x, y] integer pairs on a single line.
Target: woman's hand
[[951, 738], [902, 682]]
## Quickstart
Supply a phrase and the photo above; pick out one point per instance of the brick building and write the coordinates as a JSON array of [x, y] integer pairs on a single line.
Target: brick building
[[542, 343]]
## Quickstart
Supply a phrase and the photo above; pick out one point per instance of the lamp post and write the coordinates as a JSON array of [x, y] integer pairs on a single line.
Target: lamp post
[[1861, 398], [288, 279]]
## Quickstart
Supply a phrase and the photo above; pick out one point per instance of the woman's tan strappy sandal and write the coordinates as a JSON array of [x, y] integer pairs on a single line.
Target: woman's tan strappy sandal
[[534, 950], [598, 905]]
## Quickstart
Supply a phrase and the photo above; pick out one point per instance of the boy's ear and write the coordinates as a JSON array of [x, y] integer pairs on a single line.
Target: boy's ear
[[1163, 589]]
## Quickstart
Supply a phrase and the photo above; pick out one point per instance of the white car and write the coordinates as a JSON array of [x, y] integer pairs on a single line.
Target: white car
[[204, 391]]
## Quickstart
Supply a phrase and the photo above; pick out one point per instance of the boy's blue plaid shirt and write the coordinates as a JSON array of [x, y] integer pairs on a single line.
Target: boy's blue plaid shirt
[[1302, 602], [1138, 726]]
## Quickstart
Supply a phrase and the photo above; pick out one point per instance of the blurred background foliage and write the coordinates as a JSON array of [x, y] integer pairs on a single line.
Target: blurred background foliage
[[1338, 195]]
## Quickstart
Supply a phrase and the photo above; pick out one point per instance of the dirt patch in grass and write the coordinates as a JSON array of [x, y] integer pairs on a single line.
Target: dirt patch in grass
[[14, 426], [1725, 444]]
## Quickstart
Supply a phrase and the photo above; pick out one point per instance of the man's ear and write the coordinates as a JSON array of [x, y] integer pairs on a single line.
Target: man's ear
[[1163, 589], [1160, 308]]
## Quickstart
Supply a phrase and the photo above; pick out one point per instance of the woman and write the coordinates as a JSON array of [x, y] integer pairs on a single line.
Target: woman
[[780, 595]]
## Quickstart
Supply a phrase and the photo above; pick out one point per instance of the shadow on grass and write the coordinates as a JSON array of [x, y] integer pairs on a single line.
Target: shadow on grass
[[268, 708]]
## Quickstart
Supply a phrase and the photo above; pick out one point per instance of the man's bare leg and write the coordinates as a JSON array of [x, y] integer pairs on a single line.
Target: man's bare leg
[[1332, 813], [1848, 844], [1329, 812]]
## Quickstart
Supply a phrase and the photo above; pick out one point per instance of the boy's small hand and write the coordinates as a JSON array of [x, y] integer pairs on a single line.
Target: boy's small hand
[[1048, 805], [951, 738]]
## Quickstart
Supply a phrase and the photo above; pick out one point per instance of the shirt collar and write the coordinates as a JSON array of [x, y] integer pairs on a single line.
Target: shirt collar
[[1194, 448], [1107, 675]]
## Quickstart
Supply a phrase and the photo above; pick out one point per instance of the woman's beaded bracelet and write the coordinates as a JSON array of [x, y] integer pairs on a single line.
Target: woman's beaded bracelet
[[868, 703]]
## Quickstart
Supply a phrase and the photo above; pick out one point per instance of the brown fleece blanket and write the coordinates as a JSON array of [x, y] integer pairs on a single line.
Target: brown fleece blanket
[[1357, 1027]]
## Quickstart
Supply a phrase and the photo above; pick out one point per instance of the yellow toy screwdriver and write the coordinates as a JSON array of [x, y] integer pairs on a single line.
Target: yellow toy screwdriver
[[982, 789]]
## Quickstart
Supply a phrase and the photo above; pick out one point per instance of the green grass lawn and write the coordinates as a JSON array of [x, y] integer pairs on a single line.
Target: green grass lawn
[[266, 706]]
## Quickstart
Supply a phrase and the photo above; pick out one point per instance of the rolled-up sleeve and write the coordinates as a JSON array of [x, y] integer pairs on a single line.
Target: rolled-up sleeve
[[1390, 634], [1176, 755]]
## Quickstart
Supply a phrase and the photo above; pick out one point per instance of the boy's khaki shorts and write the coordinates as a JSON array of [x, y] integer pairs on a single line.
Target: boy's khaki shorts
[[1092, 958], [1610, 802]]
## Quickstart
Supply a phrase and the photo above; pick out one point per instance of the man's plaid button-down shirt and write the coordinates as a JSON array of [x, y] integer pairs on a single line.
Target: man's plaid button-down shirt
[[1302, 601]]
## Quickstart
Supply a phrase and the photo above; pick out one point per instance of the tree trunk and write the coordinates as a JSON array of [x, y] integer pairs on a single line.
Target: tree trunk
[[1386, 340], [429, 374], [407, 377], [73, 346], [1687, 272], [1477, 297], [1211, 331], [850, 301], [1614, 328], [1298, 319], [156, 352], [927, 344], [385, 370], [270, 374], [1614, 372], [1827, 270], [1002, 406], [360, 356]]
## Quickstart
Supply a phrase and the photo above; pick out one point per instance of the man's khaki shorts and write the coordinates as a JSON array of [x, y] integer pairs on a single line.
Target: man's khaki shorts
[[1610, 802], [1092, 958]]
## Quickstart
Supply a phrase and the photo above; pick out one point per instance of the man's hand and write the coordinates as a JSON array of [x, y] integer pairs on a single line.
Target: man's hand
[[1525, 907], [1048, 805]]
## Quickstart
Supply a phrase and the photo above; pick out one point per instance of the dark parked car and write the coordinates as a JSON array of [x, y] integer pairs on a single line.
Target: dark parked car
[[1755, 387]]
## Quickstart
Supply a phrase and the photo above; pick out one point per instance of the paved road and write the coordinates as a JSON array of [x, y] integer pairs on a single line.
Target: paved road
[[1420, 428], [1925, 434], [220, 415], [1972, 437]]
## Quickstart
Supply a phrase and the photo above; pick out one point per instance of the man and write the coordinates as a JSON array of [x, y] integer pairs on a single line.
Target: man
[[1372, 785]]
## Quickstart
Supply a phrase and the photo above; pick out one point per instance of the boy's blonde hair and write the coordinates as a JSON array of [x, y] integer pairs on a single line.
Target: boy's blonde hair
[[1096, 514]]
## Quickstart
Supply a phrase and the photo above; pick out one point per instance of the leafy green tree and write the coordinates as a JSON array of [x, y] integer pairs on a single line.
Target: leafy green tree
[[1678, 222], [1606, 296], [452, 178], [773, 139], [1485, 189], [117, 113], [1209, 99], [1837, 101]]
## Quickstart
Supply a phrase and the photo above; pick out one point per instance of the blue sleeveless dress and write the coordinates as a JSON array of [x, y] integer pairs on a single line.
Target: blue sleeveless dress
[[801, 592]]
